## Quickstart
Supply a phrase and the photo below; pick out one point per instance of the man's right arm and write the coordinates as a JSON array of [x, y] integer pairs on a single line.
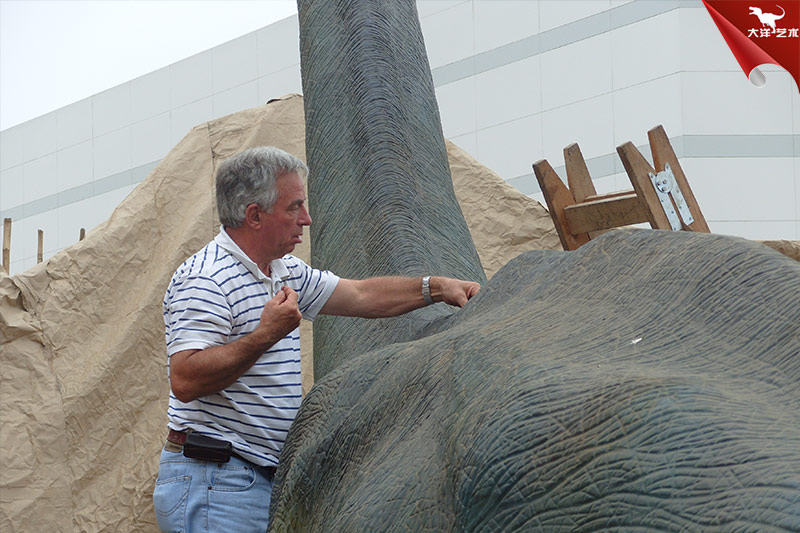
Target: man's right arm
[[196, 373]]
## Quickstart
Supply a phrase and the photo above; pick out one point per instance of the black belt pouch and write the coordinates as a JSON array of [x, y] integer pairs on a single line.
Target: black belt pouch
[[201, 447]]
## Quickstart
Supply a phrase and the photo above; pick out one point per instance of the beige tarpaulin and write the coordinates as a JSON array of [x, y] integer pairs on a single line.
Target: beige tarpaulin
[[83, 386]]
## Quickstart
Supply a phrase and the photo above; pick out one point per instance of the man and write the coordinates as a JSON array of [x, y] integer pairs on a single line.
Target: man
[[231, 314]]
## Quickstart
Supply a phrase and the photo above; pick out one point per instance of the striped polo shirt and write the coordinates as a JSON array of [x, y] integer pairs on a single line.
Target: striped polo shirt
[[217, 296]]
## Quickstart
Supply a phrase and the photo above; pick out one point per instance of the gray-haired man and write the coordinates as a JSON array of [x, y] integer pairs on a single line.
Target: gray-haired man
[[231, 314]]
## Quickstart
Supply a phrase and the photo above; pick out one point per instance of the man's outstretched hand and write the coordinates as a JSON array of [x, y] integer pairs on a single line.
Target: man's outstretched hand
[[454, 291]]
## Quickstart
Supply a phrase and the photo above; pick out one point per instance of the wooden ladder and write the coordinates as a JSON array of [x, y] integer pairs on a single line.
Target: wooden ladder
[[660, 195]]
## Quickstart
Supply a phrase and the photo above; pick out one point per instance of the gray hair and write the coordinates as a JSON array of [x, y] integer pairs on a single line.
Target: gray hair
[[249, 177]]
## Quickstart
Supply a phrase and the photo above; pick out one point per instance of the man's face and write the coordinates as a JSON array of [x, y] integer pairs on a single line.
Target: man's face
[[283, 226]]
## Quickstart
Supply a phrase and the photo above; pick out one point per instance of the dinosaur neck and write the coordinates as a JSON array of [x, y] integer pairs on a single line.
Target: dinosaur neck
[[380, 188]]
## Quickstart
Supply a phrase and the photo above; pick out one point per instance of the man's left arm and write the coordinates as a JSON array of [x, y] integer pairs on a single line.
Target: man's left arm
[[394, 295]]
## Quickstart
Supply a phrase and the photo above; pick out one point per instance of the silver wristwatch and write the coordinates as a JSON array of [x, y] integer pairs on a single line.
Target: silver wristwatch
[[426, 290]]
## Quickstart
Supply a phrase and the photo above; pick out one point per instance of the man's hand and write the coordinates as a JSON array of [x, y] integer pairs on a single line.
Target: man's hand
[[453, 291], [280, 316], [196, 373]]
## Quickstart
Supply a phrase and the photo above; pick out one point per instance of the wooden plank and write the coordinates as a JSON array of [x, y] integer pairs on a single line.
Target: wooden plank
[[609, 195], [638, 169], [605, 213], [558, 197], [578, 179], [40, 247], [662, 154], [7, 245]]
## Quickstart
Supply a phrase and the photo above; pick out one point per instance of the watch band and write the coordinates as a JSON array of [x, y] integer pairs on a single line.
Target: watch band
[[426, 290]]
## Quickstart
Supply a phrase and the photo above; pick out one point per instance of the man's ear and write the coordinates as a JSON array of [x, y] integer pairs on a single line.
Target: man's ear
[[253, 216]]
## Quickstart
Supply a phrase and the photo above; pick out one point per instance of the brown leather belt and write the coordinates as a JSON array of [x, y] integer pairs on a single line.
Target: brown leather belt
[[175, 441]]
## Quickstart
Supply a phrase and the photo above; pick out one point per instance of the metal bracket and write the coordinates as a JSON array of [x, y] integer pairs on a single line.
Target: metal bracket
[[665, 185]]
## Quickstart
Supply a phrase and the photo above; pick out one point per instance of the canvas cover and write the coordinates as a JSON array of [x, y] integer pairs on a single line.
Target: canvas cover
[[83, 387]]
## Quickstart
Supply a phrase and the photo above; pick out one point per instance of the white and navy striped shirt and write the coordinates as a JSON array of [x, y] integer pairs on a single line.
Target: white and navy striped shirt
[[217, 296]]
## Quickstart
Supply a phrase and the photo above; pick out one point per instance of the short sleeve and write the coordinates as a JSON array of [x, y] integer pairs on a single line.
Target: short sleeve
[[196, 314], [313, 286]]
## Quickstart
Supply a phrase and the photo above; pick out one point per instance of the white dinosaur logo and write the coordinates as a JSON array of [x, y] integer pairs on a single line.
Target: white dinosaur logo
[[767, 19]]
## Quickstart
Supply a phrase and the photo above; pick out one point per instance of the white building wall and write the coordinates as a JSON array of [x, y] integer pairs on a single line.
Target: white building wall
[[516, 81], [601, 73]]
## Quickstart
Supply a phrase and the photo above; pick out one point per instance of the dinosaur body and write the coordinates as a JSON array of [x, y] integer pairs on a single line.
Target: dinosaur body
[[647, 381]]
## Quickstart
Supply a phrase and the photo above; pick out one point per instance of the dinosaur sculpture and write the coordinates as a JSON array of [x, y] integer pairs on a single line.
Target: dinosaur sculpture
[[375, 146], [646, 381]]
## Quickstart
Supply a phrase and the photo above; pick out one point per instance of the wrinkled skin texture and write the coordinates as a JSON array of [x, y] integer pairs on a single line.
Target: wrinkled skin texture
[[648, 380], [380, 190]]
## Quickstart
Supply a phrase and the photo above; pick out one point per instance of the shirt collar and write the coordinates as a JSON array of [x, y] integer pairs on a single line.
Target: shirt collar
[[277, 268]]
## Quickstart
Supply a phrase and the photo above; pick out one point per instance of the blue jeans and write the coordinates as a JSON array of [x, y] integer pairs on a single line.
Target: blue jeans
[[193, 495]]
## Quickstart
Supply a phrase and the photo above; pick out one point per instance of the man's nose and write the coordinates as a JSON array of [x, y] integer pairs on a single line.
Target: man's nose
[[305, 218]]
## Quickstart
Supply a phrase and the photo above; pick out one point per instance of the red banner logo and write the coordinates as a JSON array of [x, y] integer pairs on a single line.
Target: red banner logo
[[760, 33]]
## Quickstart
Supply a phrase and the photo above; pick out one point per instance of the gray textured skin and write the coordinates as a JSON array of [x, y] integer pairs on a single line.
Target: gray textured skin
[[532, 408], [380, 188], [535, 407]]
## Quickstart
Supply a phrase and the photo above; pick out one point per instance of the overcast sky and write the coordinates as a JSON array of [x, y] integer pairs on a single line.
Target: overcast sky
[[54, 53]]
